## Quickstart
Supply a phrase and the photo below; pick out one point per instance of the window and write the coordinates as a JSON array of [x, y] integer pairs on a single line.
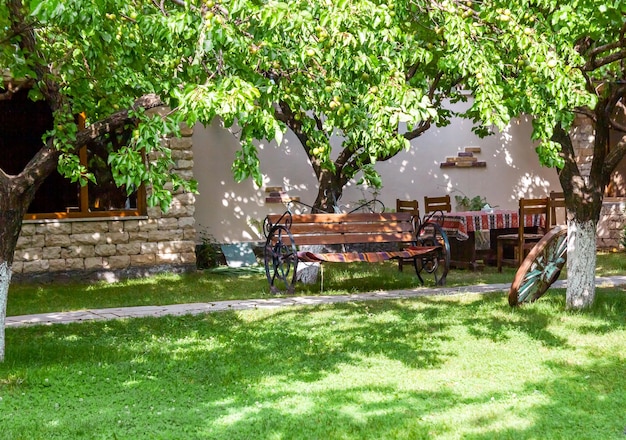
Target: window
[[22, 123]]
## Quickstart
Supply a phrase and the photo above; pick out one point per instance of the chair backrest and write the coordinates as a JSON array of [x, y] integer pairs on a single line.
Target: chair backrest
[[558, 213], [411, 206], [540, 206], [442, 203]]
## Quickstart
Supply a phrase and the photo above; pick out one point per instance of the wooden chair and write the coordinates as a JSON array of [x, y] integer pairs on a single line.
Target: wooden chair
[[432, 204], [522, 242], [558, 213], [411, 206]]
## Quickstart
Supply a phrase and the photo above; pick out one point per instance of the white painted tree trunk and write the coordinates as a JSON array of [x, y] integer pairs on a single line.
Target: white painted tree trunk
[[5, 280], [309, 272], [581, 264]]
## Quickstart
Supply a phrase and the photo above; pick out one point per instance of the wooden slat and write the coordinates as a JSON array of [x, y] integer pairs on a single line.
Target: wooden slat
[[300, 240], [342, 228], [326, 229], [350, 218]]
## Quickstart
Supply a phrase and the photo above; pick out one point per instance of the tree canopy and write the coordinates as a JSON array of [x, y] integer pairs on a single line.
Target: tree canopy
[[374, 74]]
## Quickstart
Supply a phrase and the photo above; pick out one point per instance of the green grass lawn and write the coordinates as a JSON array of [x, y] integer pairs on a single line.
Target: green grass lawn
[[223, 284], [457, 367], [449, 367]]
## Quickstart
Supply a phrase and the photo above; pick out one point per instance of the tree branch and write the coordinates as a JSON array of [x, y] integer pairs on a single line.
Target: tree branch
[[594, 63], [45, 160], [421, 128], [614, 157]]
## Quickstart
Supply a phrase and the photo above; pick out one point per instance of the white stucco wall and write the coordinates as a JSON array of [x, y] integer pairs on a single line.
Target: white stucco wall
[[228, 210]]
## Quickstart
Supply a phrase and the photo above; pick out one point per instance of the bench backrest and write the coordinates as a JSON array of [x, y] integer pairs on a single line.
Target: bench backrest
[[310, 229]]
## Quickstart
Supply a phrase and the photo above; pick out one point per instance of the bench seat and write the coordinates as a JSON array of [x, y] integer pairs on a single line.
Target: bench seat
[[285, 233]]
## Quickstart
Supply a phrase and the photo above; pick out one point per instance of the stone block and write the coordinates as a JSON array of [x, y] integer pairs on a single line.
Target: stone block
[[131, 225], [185, 199], [188, 257], [94, 263], [165, 235], [39, 240], [186, 222], [28, 229], [148, 225], [117, 238], [94, 238], [105, 250], [178, 246], [75, 263], [52, 252], [79, 251], [182, 154], [24, 242], [185, 174], [128, 249], [17, 267], [32, 241], [137, 236], [168, 258], [90, 227], [117, 262], [185, 130], [184, 164], [176, 210], [54, 228], [184, 143], [167, 223], [154, 212], [149, 248], [35, 266], [29, 254], [57, 240], [142, 260], [117, 226], [57, 265]]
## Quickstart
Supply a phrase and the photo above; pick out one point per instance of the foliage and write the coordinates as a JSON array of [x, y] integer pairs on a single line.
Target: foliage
[[208, 253], [326, 70], [438, 368], [475, 203]]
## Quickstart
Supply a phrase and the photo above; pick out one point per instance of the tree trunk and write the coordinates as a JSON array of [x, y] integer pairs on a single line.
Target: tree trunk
[[12, 208], [5, 280], [581, 263], [330, 190]]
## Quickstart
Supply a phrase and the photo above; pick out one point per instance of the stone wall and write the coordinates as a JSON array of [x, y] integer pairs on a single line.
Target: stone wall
[[115, 247], [611, 224]]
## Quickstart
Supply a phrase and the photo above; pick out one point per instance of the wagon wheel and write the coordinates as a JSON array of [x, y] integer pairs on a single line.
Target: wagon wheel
[[540, 268], [437, 263], [281, 260]]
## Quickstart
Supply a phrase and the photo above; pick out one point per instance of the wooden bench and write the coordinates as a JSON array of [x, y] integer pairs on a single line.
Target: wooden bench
[[425, 243]]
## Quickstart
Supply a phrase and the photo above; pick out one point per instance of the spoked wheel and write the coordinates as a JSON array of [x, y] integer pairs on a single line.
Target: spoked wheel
[[281, 260], [438, 263], [540, 268]]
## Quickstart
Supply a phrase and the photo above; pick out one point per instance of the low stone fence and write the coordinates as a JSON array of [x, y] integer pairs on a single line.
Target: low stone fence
[[105, 247]]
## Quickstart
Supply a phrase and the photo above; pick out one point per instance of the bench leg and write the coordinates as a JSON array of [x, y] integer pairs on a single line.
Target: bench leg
[[281, 261]]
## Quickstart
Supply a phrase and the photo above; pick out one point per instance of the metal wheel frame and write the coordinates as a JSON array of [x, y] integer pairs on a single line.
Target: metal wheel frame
[[438, 264], [281, 260], [541, 267]]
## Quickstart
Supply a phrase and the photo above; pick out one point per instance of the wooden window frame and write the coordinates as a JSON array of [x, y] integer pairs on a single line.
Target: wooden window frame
[[83, 210]]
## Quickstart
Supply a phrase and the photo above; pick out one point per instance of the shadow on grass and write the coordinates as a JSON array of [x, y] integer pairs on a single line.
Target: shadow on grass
[[296, 373]]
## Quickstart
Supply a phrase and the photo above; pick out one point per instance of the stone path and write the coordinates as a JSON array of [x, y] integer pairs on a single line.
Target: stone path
[[198, 308]]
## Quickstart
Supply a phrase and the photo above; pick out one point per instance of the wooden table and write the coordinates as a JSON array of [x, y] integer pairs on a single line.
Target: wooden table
[[473, 234]]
